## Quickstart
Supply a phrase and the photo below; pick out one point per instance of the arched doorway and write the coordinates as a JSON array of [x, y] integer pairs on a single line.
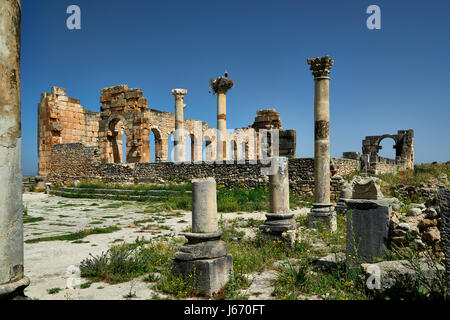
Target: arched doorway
[[155, 142], [387, 148], [116, 140]]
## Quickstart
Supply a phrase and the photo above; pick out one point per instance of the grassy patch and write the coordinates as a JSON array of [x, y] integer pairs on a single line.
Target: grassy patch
[[28, 219], [75, 236], [421, 174], [85, 285], [54, 290], [124, 262]]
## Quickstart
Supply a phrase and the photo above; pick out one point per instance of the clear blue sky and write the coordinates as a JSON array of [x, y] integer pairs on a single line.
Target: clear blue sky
[[383, 80]]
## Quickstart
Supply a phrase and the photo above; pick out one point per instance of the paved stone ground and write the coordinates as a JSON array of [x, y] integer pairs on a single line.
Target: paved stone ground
[[48, 264]]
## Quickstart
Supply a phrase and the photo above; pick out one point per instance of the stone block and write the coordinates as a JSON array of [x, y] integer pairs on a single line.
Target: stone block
[[367, 229], [400, 276], [209, 275], [367, 189], [202, 250]]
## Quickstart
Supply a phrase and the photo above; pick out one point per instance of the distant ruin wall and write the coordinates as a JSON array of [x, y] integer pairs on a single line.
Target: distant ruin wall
[[72, 162], [61, 120]]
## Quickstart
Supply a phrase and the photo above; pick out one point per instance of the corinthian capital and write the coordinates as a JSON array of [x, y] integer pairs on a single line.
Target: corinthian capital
[[321, 66], [179, 92]]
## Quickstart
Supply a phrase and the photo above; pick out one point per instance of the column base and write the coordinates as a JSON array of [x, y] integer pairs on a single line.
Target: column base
[[279, 226], [14, 290], [205, 261], [322, 215]]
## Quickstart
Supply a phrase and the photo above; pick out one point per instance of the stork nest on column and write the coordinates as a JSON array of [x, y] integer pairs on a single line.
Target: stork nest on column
[[221, 84]]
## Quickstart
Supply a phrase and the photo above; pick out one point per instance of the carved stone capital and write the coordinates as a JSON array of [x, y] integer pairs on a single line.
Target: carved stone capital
[[179, 92], [320, 66]]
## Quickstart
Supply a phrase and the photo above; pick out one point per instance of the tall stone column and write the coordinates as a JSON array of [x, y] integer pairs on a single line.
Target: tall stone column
[[12, 279], [179, 139], [322, 211], [220, 86]]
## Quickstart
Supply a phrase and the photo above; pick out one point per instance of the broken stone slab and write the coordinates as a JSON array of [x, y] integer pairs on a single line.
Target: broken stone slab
[[400, 276], [367, 189], [329, 262]]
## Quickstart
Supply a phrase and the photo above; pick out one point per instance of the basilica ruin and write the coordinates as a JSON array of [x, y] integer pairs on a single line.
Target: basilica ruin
[[75, 143], [63, 120]]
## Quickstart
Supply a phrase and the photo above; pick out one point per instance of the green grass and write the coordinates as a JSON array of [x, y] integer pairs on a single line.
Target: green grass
[[420, 174], [75, 236], [126, 261], [28, 219], [85, 285], [54, 290], [96, 184]]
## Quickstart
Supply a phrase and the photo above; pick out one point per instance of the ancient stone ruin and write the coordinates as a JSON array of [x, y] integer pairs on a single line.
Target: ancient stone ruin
[[404, 153], [63, 120]]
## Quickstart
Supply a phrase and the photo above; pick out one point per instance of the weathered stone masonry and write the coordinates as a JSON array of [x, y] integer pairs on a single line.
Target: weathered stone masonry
[[125, 111], [85, 164]]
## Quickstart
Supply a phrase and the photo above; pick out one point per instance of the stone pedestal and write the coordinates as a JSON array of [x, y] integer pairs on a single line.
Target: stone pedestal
[[367, 229], [322, 211], [280, 223], [204, 256], [12, 279]]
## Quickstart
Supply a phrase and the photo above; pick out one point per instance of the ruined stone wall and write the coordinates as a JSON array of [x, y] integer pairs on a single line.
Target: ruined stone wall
[[62, 119], [404, 153], [125, 111], [73, 159], [77, 162]]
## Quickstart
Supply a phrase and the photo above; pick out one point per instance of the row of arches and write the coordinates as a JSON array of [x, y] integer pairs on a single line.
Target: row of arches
[[125, 145]]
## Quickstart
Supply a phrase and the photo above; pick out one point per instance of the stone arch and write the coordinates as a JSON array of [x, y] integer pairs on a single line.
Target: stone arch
[[116, 126], [384, 137], [158, 139], [404, 150]]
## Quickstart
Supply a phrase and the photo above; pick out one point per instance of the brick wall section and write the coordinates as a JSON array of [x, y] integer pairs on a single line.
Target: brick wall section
[[76, 162], [62, 119]]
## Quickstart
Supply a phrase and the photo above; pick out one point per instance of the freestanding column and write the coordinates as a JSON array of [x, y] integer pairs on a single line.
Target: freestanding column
[[12, 279], [220, 86], [204, 259], [179, 139], [322, 211], [279, 223]]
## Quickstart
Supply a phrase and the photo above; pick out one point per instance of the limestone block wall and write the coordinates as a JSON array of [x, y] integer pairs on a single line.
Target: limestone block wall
[[62, 119], [73, 159], [72, 162]]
